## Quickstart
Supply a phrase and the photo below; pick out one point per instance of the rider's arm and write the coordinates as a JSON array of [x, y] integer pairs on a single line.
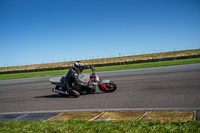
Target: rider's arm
[[87, 67]]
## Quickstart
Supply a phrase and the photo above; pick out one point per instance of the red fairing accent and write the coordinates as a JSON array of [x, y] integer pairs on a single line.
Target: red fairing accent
[[85, 81], [104, 87]]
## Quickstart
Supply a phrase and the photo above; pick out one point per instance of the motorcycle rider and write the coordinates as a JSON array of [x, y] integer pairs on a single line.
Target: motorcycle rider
[[72, 78]]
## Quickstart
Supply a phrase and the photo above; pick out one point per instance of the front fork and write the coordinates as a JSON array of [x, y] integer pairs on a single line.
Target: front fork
[[105, 84]]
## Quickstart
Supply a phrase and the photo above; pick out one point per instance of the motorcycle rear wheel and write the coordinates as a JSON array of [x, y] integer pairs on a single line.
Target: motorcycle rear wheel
[[108, 87]]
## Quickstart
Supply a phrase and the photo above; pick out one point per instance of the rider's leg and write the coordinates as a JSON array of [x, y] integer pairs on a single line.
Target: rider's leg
[[74, 92], [71, 90]]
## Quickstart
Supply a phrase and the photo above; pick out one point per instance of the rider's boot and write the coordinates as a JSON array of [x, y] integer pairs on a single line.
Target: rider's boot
[[75, 93]]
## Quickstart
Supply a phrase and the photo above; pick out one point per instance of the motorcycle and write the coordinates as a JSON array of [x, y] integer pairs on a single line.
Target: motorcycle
[[92, 80]]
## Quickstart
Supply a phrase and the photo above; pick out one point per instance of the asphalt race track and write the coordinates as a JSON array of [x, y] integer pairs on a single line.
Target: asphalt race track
[[174, 87]]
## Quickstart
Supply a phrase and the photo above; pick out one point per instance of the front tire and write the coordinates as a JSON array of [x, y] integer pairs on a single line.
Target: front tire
[[108, 87]]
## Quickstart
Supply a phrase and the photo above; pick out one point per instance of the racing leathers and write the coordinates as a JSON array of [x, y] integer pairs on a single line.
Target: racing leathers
[[72, 78]]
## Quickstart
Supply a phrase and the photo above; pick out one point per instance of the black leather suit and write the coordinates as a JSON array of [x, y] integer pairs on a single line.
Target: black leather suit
[[72, 77]]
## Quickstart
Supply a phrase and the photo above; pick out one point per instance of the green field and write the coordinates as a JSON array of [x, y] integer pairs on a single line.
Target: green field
[[84, 126], [98, 69]]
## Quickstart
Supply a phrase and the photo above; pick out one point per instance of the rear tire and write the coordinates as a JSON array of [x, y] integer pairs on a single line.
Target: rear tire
[[111, 87]]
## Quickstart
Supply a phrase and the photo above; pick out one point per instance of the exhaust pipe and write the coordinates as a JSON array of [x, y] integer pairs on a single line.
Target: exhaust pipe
[[59, 91]]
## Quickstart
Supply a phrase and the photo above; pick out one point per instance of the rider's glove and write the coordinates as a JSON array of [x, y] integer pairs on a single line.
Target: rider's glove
[[91, 66]]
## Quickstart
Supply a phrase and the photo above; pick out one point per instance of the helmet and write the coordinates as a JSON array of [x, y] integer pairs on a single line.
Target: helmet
[[78, 65]]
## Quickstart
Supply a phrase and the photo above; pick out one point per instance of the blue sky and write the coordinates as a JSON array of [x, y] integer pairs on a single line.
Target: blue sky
[[46, 31]]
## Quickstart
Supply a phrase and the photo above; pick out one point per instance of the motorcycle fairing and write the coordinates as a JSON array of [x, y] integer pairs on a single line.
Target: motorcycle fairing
[[56, 81], [105, 81], [84, 77]]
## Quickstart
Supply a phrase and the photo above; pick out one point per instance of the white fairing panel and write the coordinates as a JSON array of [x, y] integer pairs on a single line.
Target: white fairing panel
[[55, 79], [85, 77], [105, 81]]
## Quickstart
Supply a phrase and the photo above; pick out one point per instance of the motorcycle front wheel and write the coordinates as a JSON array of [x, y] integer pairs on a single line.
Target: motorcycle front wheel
[[108, 87]]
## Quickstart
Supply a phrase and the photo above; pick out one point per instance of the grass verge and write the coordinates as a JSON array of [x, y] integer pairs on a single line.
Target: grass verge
[[77, 126], [98, 69]]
